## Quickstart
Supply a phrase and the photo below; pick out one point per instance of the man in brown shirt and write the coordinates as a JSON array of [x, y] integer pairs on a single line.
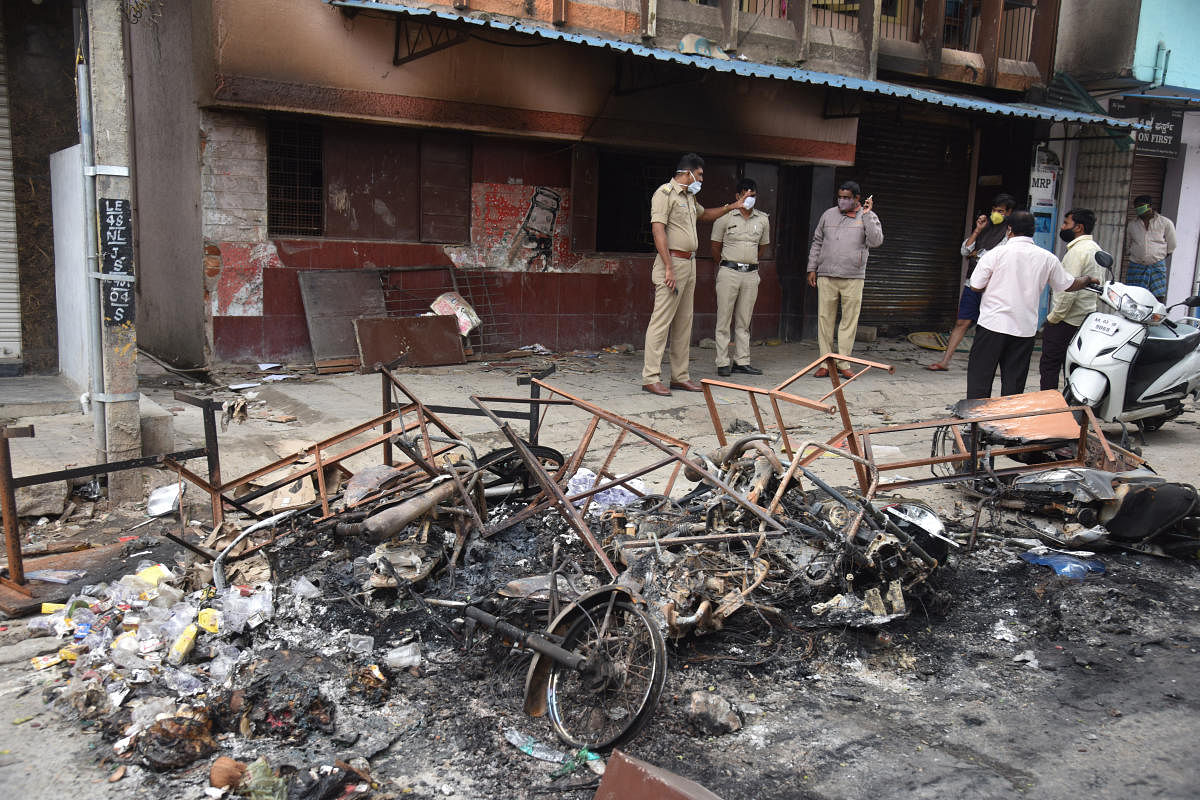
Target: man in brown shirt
[[673, 216]]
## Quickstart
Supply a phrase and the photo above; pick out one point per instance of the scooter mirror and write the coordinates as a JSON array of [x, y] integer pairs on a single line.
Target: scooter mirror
[[1104, 259], [1193, 301]]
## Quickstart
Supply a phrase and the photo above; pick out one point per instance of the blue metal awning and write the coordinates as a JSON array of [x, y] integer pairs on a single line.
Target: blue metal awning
[[752, 69]]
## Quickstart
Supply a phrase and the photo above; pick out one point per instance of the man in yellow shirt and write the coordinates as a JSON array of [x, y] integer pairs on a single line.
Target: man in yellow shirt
[[673, 216], [1068, 310]]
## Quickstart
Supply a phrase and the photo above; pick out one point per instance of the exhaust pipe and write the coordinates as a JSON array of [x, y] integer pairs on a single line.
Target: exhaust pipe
[[391, 521]]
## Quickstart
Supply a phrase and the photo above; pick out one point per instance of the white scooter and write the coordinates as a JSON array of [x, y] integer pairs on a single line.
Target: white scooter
[[1128, 361]]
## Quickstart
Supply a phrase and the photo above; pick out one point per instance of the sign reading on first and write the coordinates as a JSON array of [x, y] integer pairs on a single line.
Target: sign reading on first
[[1166, 125], [116, 258]]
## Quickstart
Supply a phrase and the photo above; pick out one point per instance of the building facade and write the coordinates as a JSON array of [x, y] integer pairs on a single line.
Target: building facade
[[508, 150]]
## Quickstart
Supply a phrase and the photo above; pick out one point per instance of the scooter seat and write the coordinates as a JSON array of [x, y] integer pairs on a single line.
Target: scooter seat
[[1164, 343]]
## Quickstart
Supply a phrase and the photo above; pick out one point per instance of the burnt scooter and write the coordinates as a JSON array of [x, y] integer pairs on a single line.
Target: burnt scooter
[[1128, 361], [1135, 510]]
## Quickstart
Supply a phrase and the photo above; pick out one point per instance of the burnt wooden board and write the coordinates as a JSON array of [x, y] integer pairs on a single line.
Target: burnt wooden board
[[422, 341], [333, 299]]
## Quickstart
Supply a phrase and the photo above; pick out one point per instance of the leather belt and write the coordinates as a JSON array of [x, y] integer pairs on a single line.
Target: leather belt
[[739, 266], [680, 253]]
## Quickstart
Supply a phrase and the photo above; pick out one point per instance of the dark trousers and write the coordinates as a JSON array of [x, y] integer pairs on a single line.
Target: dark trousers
[[1056, 336], [991, 349]]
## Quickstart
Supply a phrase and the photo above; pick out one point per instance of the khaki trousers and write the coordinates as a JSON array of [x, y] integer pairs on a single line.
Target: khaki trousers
[[833, 293], [736, 293], [671, 321]]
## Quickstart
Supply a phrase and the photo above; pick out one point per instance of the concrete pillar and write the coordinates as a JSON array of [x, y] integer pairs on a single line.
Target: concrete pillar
[[111, 134]]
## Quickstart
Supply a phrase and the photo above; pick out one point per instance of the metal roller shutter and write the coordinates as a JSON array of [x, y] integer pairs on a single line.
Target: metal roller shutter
[[920, 175], [1149, 175], [10, 294]]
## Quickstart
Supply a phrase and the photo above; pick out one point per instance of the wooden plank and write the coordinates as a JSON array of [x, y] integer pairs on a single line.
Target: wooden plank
[[332, 365], [420, 341], [333, 299]]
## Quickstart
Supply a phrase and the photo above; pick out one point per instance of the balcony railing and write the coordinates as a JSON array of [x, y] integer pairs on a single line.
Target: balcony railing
[[901, 19], [834, 14], [841, 14]]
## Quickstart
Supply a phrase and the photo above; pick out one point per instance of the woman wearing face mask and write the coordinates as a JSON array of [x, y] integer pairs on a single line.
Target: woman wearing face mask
[[991, 230]]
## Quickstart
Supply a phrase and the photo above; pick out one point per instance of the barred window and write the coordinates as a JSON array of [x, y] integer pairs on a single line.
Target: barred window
[[295, 179]]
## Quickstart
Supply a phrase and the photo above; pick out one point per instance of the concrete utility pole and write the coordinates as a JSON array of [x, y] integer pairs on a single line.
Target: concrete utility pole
[[112, 154]]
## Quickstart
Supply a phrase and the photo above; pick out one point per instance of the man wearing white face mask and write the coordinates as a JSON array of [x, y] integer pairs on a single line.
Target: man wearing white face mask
[[837, 266], [738, 241], [673, 216]]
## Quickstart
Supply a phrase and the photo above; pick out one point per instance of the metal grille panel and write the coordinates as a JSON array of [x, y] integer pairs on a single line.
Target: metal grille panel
[[295, 180]]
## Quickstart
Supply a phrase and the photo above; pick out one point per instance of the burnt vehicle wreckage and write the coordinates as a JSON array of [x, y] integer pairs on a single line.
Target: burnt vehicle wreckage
[[588, 579]]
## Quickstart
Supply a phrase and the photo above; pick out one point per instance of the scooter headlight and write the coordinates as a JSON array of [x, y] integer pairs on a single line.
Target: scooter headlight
[[1133, 310]]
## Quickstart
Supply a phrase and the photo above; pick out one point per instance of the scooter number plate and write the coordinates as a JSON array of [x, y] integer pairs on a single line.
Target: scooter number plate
[[1106, 326]]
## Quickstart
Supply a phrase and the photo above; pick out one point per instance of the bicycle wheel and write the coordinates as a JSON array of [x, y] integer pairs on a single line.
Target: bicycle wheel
[[507, 476], [610, 701]]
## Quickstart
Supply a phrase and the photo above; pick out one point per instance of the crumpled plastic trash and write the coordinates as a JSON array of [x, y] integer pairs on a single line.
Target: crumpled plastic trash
[[585, 479], [403, 657], [238, 611], [164, 500], [303, 587], [1065, 565], [357, 643]]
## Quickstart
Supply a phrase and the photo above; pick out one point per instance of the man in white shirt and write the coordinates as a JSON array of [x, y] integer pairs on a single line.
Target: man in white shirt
[[1011, 279], [1151, 239]]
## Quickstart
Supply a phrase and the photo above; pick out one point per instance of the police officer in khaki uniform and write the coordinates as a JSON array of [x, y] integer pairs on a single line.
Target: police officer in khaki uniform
[[738, 241], [673, 216]]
